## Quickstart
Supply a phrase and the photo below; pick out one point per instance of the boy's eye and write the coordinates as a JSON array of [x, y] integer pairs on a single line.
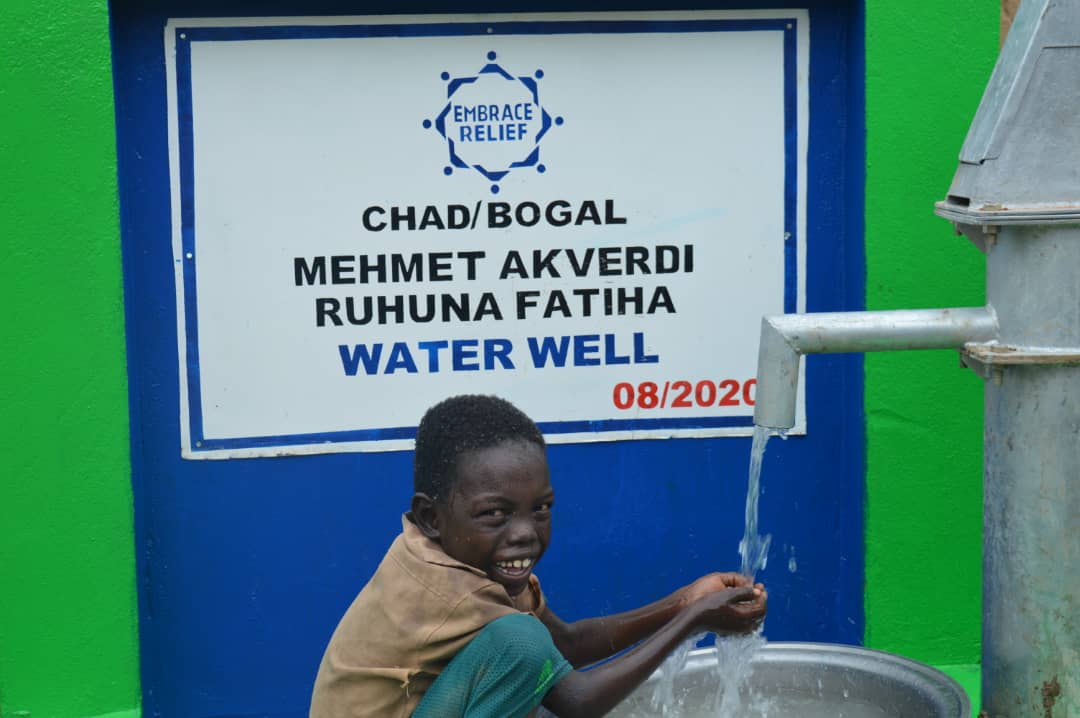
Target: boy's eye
[[544, 507], [494, 513]]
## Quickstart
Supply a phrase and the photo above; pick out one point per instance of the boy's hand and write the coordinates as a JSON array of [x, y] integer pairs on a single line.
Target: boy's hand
[[731, 610], [713, 582]]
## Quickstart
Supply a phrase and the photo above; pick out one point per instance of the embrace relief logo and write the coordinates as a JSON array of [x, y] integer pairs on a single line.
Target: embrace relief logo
[[493, 122]]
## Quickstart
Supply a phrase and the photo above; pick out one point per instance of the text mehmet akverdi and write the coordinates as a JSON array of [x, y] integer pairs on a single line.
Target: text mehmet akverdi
[[639, 296]]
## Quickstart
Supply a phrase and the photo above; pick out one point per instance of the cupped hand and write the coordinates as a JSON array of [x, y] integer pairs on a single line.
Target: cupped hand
[[731, 610], [714, 582]]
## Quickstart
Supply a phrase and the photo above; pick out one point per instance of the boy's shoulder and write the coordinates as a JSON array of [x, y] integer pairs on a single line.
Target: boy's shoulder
[[419, 594], [416, 569]]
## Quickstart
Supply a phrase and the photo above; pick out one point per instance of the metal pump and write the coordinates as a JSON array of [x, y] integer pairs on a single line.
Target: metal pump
[[1016, 195]]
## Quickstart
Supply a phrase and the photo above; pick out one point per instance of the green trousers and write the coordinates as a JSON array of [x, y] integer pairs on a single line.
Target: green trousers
[[504, 672]]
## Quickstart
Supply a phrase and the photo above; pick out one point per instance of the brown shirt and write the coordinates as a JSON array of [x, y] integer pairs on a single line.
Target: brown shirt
[[419, 609]]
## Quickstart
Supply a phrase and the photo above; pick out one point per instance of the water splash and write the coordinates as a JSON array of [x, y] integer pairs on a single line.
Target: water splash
[[664, 701], [734, 667]]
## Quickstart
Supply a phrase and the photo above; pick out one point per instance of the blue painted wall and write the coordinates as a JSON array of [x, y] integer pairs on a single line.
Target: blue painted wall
[[244, 566]]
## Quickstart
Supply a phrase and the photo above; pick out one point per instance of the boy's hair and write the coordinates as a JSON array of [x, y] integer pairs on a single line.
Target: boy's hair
[[460, 424]]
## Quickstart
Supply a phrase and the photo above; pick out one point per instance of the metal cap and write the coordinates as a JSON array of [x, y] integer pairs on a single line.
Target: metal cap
[[1020, 163]]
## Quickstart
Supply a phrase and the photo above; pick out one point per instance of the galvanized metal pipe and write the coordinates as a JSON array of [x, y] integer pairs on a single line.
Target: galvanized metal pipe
[[785, 337], [1028, 349], [1031, 489]]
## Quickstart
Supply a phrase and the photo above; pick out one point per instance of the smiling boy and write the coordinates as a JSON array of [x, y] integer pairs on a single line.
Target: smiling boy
[[454, 624]]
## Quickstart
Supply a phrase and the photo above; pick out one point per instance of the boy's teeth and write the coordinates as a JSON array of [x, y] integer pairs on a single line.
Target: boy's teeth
[[519, 563]]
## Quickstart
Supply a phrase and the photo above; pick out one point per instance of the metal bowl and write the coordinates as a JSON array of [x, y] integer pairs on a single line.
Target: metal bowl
[[806, 680]]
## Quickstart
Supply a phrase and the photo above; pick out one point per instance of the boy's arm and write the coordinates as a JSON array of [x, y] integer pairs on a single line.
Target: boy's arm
[[593, 639], [593, 693]]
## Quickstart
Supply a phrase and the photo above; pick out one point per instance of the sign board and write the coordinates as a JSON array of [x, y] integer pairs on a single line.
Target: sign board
[[587, 214]]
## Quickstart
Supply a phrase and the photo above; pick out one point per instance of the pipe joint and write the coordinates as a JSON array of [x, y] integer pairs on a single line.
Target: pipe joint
[[785, 337]]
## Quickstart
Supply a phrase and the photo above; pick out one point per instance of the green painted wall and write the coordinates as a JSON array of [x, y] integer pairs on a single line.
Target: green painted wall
[[927, 64], [68, 643]]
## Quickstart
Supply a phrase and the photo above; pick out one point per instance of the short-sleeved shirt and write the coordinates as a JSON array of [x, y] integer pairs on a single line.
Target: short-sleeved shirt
[[415, 614]]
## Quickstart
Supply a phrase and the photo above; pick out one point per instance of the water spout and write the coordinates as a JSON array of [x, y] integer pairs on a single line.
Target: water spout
[[785, 337]]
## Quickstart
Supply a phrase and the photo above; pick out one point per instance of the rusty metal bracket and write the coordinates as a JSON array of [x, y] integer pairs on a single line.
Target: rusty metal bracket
[[990, 359]]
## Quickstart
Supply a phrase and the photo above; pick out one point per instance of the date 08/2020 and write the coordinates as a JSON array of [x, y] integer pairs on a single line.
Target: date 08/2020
[[682, 394]]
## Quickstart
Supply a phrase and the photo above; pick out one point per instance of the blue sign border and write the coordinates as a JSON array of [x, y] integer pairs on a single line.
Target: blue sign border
[[184, 36]]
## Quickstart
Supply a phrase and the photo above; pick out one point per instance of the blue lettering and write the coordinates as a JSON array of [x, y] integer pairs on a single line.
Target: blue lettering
[[640, 357], [610, 357], [400, 358], [351, 360], [585, 344], [547, 348], [432, 349], [497, 349], [462, 350]]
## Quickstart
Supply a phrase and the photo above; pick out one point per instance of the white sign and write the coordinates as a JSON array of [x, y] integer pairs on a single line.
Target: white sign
[[587, 214]]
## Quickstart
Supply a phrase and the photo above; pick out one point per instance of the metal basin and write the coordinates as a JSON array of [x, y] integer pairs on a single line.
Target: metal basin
[[808, 680]]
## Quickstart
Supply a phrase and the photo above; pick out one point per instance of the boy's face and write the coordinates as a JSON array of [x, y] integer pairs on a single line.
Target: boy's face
[[498, 515]]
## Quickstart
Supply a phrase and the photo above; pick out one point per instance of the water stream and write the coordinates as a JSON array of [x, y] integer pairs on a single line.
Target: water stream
[[733, 653], [754, 548]]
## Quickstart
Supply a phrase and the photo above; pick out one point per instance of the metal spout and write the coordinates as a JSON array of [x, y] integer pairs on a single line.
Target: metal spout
[[785, 337]]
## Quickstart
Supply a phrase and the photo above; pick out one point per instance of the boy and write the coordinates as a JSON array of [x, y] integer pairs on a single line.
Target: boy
[[454, 625]]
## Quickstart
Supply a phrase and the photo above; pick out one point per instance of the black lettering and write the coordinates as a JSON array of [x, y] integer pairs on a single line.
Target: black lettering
[[667, 259], [371, 226], [540, 264], [397, 217], [586, 300], [556, 303], [431, 217], [637, 257], [414, 308], [402, 272], [350, 310], [525, 300], [588, 213], [367, 267], [558, 213], [457, 216], [610, 261], [388, 306], [460, 308], [341, 265], [661, 299], [470, 262], [513, 265], [609, 213], [309, 273], [637, 299], [439, 267], [327, 308], [498, 215], [582, 268], [533, 214], [487, 306]]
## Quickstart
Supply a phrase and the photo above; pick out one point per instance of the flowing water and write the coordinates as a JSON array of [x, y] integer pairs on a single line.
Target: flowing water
[[754, 548], [733, 653]]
